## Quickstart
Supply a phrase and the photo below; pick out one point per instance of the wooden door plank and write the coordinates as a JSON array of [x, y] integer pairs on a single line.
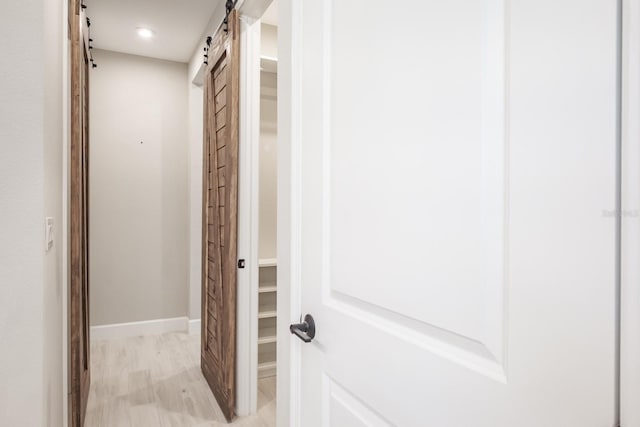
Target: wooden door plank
[[78, 316], [220, 210]]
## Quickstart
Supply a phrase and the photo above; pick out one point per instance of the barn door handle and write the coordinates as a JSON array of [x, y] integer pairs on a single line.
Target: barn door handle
[[305, 330]]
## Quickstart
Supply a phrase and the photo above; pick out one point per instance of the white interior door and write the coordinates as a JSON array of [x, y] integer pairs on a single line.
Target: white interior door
[[455, 182]]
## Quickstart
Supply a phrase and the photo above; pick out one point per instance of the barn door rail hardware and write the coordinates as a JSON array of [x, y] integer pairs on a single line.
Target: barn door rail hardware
[[229, 6], [206, 50], [93, 63]]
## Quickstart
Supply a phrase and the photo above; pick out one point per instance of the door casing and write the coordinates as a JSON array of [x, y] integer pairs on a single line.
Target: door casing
[[288, 235], [248, 216]]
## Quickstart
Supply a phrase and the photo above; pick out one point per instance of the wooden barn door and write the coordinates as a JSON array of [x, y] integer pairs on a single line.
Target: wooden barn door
[[220, 212], [79, 365]]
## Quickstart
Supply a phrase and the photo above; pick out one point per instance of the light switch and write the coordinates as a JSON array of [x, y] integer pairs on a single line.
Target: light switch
[[48, 233]]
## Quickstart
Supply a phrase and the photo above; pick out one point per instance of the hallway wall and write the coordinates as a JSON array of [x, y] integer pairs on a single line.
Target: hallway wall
[[195, 72], [31, 188], [139, 189]]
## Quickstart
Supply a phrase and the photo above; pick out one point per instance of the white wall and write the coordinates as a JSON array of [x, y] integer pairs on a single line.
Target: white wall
[[139, 189], [195, 198], [269, 45], [195, 164], [55, 24], [30, 189], [268, 164]]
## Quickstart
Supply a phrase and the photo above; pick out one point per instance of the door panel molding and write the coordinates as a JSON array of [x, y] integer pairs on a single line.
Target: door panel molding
[[341, 404], [483, 351]]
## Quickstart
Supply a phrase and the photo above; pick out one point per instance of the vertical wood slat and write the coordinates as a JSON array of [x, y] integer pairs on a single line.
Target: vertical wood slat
[[221, 99], [211, 354], [220, 186], [221, 79], [221, 156], [221, 134], [207, 247], [221, 117], [221, 180], [233, 88], [79, 355]]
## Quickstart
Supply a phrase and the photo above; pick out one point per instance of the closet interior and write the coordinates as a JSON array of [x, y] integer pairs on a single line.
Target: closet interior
[[268, 287]]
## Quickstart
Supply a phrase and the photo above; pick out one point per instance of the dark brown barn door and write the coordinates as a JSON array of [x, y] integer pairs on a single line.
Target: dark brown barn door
[[79, 368], [220, 213]]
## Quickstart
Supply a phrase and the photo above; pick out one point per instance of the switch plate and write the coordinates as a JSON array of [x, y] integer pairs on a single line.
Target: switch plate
[[48, 233]]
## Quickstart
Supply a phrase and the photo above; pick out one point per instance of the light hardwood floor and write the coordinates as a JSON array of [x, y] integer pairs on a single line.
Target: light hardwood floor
[[156, 381]]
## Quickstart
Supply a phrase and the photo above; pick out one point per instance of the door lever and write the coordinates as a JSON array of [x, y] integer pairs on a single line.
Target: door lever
[[305, 330]]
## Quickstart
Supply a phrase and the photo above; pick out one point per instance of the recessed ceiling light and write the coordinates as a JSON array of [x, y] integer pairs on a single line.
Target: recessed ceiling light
[[145, 33]]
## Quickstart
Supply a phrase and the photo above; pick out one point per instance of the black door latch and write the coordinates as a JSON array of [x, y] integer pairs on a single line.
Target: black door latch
[[305, 330]]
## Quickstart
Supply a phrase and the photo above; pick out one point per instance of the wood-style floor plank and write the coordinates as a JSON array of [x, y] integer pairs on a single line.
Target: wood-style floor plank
[[156, 381]]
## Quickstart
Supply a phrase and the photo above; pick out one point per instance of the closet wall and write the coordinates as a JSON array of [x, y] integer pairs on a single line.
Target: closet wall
[[268, 204], [268, 159], [32, 285]]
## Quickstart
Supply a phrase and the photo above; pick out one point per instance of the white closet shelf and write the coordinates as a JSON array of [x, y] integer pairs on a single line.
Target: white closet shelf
[[267, 365], [265, 289], [269, 64], [267, 369], [267, 340], [267, 262], [267, 314]]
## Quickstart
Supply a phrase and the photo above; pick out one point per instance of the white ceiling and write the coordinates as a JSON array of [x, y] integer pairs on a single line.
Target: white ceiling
[[271, 14], [178, 26]]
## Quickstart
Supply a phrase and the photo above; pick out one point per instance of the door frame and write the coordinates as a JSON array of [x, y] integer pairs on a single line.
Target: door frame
[[629, 213], [289, 208], [287, 407], [248, 216], [251, 12]]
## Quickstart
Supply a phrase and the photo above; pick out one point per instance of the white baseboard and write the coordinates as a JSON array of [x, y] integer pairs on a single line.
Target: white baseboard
[[146, 327], [194, 326]]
